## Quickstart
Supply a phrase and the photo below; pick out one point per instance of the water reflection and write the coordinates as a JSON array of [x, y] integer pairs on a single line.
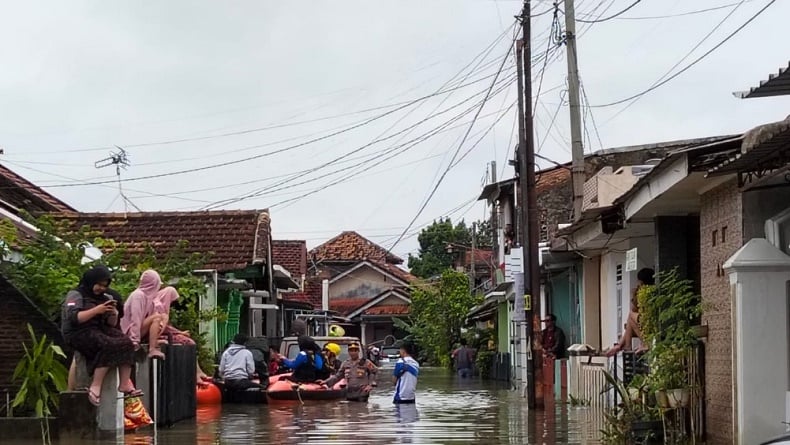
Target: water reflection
[[448, 410]]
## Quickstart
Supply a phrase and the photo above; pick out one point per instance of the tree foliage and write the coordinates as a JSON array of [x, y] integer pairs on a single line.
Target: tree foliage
[[438, 312], [51, 264], [433, 257]]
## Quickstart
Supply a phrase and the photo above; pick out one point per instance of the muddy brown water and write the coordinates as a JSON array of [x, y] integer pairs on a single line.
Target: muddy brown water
[[448, 410]]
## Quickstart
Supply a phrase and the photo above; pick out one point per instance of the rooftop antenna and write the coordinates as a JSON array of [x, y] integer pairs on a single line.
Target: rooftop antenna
[[121, 161]]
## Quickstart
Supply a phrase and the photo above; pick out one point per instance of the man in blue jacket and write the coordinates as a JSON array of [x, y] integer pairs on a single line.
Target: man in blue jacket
[[405, 376]]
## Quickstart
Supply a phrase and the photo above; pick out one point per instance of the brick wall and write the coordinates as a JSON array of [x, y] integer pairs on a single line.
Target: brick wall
[[16, 312], [721, 218]]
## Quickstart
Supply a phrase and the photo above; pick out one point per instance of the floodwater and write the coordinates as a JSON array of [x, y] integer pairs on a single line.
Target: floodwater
[[448, 410]]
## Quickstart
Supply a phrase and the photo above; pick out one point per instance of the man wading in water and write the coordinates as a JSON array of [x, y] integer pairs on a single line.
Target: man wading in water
[[360, 375]]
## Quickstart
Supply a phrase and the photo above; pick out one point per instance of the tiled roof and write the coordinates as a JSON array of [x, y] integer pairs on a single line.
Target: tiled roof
[[232, 239], [346, 306], [398, 272], [351, 246], [291, 254], [303, 297], [389, 309], [23, 194]]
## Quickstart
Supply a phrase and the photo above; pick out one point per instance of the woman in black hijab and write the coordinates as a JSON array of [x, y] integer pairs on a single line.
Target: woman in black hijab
[[90, 326]]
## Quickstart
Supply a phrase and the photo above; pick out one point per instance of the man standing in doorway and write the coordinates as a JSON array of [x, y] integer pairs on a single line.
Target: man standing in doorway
[[552, 339], [464, 358]]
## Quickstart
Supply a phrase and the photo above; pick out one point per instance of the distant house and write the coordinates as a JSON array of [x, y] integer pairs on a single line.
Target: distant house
[[18, 195], [366, 286]]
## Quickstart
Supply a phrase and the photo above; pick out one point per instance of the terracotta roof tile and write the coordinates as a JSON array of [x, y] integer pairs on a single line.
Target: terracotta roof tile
[[303, 297], [232, 239], [398, 272], [292, 255], [351, 246], [346, 306], [23, 194], [389, 309]]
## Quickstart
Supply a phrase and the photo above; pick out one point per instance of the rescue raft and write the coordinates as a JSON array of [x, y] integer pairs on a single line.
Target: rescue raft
[[281, 388]]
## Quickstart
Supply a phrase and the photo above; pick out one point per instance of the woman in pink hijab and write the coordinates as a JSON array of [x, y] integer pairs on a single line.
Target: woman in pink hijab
[[161, 306], [140, 322]]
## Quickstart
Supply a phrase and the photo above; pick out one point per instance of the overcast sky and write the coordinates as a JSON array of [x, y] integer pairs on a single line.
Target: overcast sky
[[80, 77]]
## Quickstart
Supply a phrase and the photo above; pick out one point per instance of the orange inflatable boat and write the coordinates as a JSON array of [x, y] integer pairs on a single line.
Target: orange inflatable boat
[[280, 388]]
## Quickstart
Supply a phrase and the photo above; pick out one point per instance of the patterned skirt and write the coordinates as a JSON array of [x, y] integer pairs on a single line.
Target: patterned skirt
[[102, 347]]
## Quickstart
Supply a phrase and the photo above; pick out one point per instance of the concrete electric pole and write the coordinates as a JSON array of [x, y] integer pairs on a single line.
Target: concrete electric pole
[[577, 144], [527, 197]]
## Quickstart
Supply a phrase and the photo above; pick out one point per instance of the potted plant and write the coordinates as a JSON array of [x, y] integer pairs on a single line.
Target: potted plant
[[634, 420], [668, 312]]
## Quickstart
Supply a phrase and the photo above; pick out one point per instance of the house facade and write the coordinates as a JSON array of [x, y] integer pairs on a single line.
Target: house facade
[[358, 282], [718, 210], [566, 276]]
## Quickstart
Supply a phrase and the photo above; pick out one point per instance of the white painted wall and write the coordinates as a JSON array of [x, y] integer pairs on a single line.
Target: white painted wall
[[759, 275]]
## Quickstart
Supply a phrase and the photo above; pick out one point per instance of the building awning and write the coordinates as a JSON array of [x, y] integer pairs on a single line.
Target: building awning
[[282, 278], [765, 148], [776, 85], [483, 311], [491, 191]]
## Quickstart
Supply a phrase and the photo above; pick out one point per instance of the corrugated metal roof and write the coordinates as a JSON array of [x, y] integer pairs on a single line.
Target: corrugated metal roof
[[776, 85], [764, 147]]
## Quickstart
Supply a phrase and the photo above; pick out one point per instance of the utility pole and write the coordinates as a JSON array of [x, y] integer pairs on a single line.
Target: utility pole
[[577, 144], [528, 197], [473, 271]]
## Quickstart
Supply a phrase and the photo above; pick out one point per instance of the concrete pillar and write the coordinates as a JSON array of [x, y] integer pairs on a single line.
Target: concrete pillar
[[110, 413], [364, 334], [759, 275]]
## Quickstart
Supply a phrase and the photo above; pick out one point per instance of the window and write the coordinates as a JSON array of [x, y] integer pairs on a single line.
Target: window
[[777, 231], [724, 234], [714, 237]]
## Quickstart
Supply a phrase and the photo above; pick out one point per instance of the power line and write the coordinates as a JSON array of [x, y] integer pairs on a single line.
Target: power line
[[682, 14], [689, 66], [412, 141], [614, 16], [436, 187], [689, 53], [339, 181]]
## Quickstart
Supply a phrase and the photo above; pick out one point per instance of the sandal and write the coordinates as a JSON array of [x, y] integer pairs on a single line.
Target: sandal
[[133, 393], [93, 398]]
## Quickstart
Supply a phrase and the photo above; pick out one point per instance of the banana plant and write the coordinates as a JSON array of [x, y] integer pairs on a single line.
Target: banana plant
[[42, 375]]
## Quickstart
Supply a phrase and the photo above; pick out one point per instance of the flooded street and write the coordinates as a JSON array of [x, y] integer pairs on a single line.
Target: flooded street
[[447, 411]]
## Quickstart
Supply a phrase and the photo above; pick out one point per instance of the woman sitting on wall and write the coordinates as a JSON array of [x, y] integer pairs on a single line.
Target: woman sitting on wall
[[89, 325], [140, 323], [632, 329], [147, 318]]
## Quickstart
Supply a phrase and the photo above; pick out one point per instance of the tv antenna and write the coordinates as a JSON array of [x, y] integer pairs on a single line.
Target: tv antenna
[[121, 161]]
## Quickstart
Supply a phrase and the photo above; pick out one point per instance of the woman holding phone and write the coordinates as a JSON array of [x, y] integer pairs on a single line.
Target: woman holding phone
[[89, 325]]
